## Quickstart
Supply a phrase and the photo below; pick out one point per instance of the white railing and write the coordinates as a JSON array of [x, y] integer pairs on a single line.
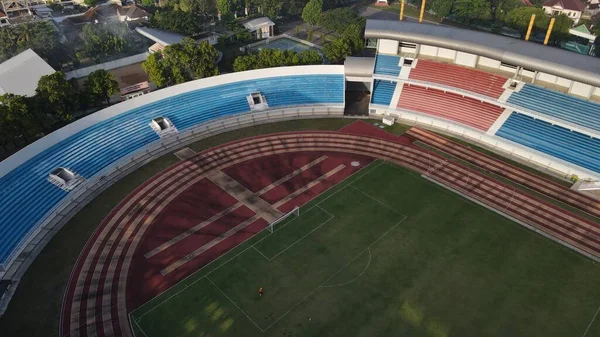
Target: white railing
[[466, 93], [37, 238], [509, 149]]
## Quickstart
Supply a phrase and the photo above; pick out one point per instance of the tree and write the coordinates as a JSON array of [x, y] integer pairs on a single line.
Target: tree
[[501, 7], [467, 10], [102, 40], [339, 19], [186, 23], [156, 69], [17, 113], [182, 62], [268, 58], [312, 12], [442, 7], [337, 50], [271, 8], [293, 7], [101, 85], [560, 30], [224, 6], [519, 18], [59, 94]]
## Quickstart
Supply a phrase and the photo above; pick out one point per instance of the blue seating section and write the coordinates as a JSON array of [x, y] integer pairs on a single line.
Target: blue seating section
[[553, 103], [27, 195], [383, 92], [387, 65], [554, 140]]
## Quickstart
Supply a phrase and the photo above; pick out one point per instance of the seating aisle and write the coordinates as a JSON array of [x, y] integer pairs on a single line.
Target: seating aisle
[[383, 92]]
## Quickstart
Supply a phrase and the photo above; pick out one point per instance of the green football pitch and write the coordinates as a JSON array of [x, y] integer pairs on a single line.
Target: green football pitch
[[385, 253]]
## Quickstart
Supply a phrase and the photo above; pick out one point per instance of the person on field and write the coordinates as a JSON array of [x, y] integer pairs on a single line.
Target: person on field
[[260, 291]]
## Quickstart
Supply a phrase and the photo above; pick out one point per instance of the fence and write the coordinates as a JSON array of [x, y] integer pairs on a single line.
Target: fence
[[55, 219]]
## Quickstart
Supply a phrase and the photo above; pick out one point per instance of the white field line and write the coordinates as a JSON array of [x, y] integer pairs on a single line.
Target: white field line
[[354, 279], [367, 169], [591, 322]]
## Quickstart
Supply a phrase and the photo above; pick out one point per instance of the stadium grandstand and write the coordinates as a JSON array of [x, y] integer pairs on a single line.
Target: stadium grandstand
[[529, 102], [521, 98]]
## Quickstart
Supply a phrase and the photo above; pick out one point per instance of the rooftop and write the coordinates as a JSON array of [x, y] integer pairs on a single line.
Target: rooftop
[[160, 36], [530, 55], [133, 12], [573, 5], [256, 24], [20, 74]]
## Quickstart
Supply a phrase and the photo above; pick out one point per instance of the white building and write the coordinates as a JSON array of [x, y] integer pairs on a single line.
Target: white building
[[571, 8], [262, 27], [20, 74]]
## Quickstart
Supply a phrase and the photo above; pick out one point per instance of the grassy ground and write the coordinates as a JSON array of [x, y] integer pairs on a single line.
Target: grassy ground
[[386, 253], [35, 308]]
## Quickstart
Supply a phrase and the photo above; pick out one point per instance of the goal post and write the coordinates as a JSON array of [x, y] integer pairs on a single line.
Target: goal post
[[294, 212]]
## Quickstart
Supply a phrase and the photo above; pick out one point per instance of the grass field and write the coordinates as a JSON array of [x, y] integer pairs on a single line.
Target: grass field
[[385, 253]]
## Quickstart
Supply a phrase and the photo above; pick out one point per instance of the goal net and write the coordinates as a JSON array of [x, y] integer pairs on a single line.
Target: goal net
[[293, 213]]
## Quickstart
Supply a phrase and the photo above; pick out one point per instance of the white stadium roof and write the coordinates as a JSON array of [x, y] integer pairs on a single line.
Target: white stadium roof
[[20, 74], [160, 36], [256, 24]]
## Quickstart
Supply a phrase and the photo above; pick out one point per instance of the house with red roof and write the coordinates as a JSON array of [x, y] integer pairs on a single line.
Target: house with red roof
[[571, 8]]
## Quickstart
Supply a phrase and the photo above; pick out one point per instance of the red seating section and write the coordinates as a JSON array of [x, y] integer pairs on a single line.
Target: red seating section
[[454, 107], [473, 80]]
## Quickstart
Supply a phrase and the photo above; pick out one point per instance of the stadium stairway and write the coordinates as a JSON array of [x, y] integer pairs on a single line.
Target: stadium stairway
[[473, 80], [464, 110], [383, 91], [27, 195], [387, 65], [556, 141], [558, 105]]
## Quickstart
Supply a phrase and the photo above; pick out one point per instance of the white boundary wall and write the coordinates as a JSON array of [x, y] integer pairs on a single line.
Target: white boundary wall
[[517, 152], [61, 134]]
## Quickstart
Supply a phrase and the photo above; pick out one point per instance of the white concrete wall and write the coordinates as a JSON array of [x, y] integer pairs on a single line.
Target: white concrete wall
[[488, 62], [61, 134], [446, 53], [428, 50], [466, 59], [546, 77], [563, 82], [580, 89], [388, 46]]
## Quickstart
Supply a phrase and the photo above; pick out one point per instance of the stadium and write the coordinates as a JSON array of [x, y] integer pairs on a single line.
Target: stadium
[[463, 204]]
